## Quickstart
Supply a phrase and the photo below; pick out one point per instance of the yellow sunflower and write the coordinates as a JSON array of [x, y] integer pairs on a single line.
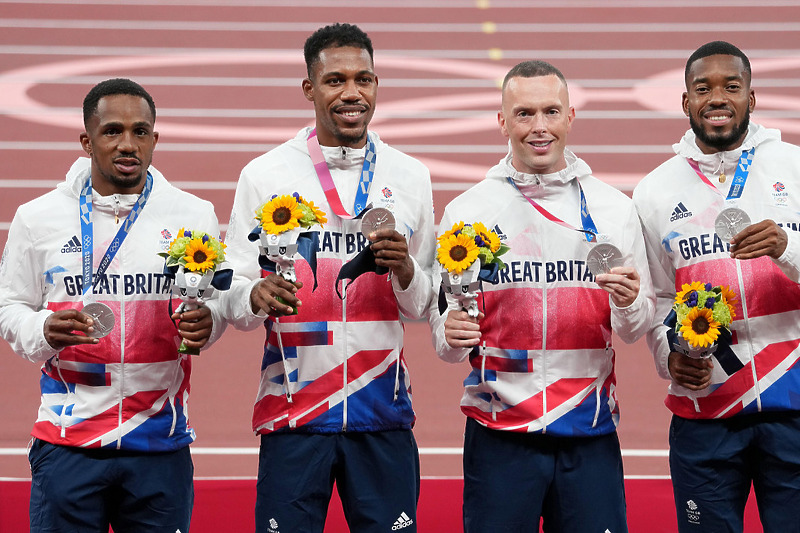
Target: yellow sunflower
[[457, 227], [730, 299], [489, 237], [457, 252], [318, 213], [279, 214], [699, 327], [199, 256], [687, 289]]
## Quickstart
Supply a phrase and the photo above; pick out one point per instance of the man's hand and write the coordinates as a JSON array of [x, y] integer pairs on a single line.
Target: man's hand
[[764, 238], [391, 251], [266, 292], [688, 372], [461, 330], [60, 329], [622, 283], [195, 326]]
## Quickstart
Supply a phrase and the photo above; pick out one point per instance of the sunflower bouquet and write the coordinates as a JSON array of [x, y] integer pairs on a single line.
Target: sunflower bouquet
[[281, 221], [703, 314], [287, 212], [192, 261], [282, 231], [468, 254]]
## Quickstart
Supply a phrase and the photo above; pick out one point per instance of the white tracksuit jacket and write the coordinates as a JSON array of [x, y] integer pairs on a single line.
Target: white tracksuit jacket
[[338, 365], [130, 391], [677, 211], [546, 363]]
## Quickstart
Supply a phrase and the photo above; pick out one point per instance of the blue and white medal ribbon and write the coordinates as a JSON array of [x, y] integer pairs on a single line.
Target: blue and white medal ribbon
[[731, 219], [101, 314]]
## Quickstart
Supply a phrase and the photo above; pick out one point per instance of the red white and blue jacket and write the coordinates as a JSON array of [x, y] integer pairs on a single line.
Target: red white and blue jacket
[[338, 365], [129, 391], [546, 361], [678, 210]]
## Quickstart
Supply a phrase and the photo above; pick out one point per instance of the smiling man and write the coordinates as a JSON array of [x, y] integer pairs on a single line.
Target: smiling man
[[82, 291], [724, 211], [334, 402], [540, 395]]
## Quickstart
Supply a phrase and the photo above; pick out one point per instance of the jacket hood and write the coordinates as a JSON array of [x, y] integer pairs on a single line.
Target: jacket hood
[[537, 184], [302, 135], [79, 171], [756, 135]]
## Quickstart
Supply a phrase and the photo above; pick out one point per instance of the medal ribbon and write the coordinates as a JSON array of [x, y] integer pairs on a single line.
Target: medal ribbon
[[326, 180], [87, 231], [739, 178], [588, 227]]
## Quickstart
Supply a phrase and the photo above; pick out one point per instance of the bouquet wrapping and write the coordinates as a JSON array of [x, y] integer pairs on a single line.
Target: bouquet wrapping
[[192, 261], [282, 232], [467, 255], [700, 319]]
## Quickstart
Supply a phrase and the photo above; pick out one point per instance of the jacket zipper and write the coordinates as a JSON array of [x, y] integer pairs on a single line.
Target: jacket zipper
[[121, 339], [749, 336], [544, 345], [344, 342]]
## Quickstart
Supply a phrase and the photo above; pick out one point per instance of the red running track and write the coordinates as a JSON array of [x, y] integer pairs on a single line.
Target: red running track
[[226, 79]]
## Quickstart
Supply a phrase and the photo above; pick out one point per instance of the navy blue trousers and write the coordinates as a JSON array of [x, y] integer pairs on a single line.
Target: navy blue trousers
[[512, 480], [714, 462], [376, 474], [86, 491]]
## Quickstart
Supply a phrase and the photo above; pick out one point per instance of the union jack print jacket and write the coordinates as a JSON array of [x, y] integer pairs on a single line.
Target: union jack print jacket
[[678, 211], [129, 391], [337, 365], [546, 361]]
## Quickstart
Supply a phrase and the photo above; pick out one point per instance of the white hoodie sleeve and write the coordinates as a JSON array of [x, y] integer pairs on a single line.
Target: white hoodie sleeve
[[663, 277], [633, 321], [242, 255], [22, 290], [415, 299], [789, 261]]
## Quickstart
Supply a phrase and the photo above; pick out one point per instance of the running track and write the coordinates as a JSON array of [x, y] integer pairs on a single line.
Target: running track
[[226, 80]]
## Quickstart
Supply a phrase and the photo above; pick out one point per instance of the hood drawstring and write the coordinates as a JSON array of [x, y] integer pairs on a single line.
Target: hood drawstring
[[66, 400], [116, 209], [397, 378], [287, 382]]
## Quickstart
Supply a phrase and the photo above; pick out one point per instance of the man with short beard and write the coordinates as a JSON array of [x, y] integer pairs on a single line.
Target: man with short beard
[[736, 415]]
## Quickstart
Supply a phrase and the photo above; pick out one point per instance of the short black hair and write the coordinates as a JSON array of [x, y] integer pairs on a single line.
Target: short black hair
[[533, 69], [110, 88], [717, 48], [334, 36]]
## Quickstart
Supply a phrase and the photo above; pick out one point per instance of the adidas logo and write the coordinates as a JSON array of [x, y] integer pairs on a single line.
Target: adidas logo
[[500, 235], [273, 526], [402, 521], [680, 212], [72, 246]]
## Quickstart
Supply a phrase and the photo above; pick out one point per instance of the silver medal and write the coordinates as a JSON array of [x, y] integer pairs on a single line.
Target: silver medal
[[730, 222], [103, 318], [375, 219], [602, 258]]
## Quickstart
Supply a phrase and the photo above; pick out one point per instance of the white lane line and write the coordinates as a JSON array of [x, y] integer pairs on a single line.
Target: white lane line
[[253, 450], [410, 148], [450, 4], [680, 54], [406, 27], [386, 81]]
